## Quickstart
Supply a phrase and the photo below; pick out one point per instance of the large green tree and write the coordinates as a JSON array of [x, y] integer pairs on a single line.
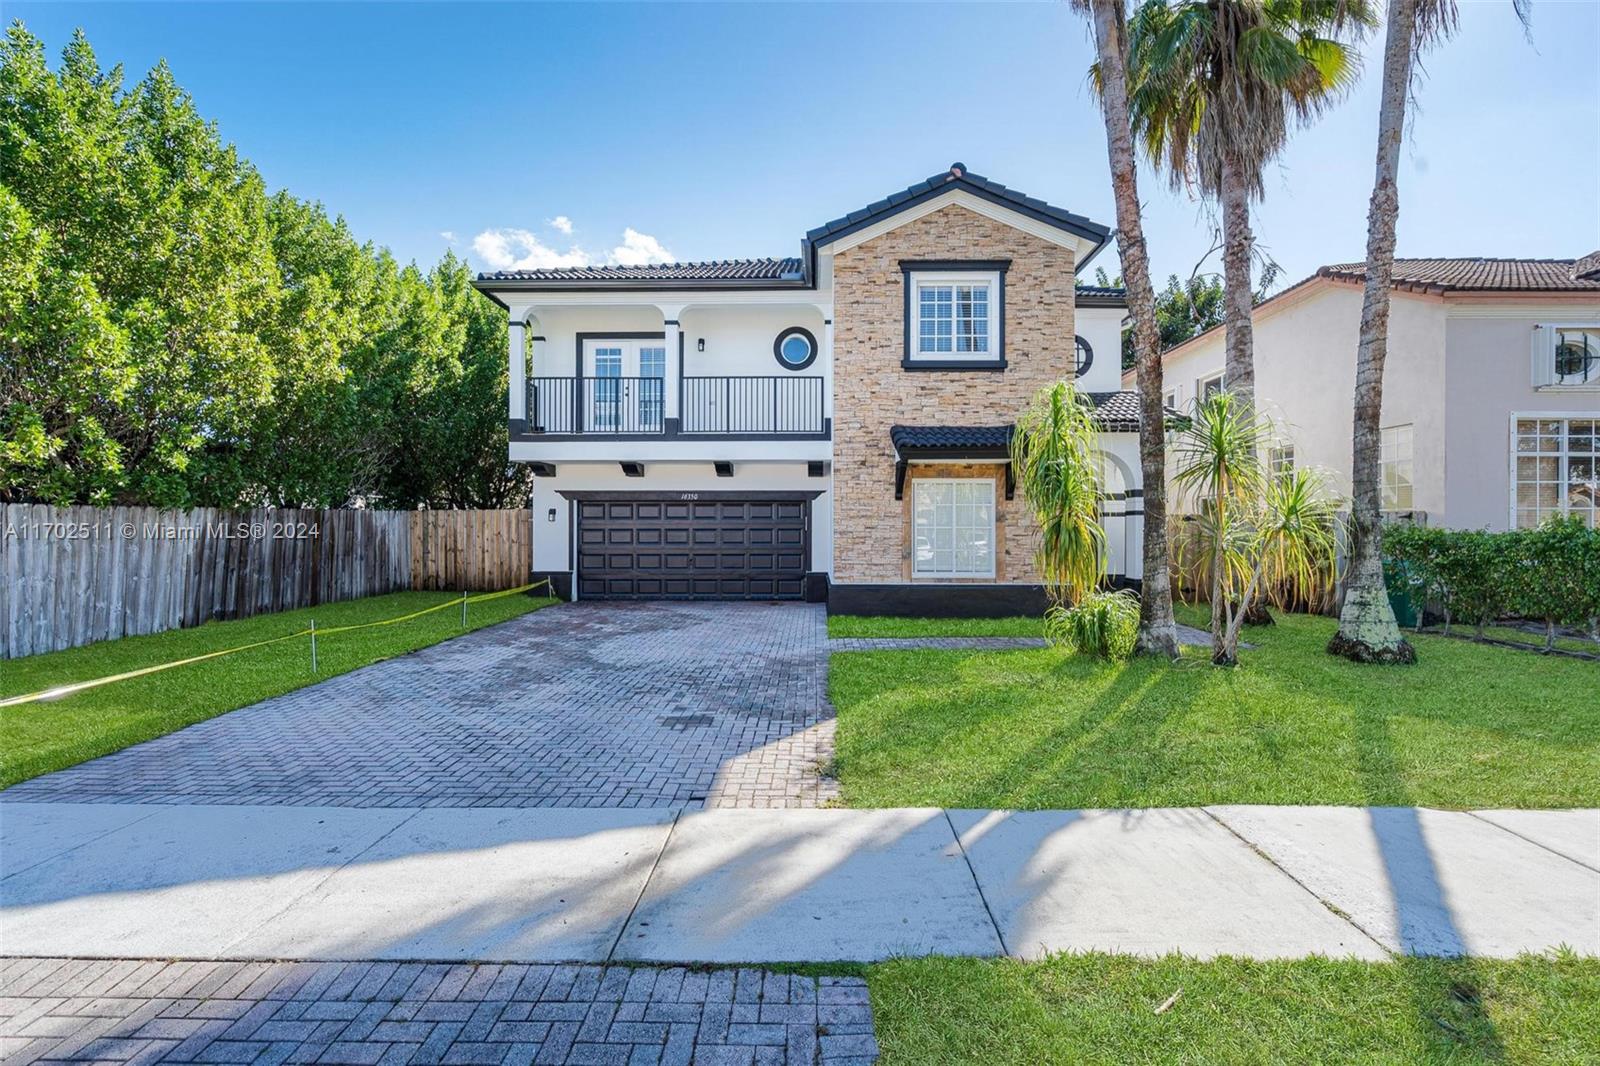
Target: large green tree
[[1215, 87], [172, 335]]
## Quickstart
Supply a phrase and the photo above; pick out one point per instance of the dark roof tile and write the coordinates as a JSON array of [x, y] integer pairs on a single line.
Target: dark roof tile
[[715, 270]]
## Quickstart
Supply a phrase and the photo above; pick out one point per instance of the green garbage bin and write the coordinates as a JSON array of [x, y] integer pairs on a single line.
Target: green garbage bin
[[1402, 593]]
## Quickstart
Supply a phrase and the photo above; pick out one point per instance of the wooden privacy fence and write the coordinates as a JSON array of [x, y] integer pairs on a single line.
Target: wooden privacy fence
[[74, 575]]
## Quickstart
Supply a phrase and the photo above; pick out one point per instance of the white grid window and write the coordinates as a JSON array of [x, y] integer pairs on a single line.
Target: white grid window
[[1394, 457], [953, 527], [1557, 470], [955, 316], [953, 319]]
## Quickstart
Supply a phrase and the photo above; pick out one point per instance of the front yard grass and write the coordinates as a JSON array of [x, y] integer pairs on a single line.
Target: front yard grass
[[36, 738], [1470, 726], [846, 625], [1102, 1008]]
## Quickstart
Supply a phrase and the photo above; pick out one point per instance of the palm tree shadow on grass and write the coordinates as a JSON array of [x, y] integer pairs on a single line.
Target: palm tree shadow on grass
[[1448, 999]]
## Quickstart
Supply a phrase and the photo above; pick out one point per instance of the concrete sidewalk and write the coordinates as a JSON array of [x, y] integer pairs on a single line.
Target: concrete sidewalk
[[592, 885]]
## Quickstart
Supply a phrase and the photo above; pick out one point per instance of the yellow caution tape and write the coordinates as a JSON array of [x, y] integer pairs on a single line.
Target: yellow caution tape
[[79, 686]]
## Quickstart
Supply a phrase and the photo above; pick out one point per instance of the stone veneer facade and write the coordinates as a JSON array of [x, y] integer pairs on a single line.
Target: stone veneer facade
[[871, 529]]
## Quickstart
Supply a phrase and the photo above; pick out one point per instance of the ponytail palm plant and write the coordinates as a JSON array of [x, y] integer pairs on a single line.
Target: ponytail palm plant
[[1054, 458], [1256, 532]]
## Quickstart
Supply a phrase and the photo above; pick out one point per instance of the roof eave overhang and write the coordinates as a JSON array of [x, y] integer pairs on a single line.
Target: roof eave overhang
[[490, 286]]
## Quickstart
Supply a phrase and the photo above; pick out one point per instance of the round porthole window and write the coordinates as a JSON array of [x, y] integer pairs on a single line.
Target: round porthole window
[[795, 348], [1084, 357]]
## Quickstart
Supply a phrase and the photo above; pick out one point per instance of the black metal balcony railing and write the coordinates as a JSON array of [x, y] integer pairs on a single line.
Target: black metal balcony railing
[[789, 404], [740, 406]]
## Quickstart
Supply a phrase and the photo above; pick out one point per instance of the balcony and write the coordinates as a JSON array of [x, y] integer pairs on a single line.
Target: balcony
[[781, 406]]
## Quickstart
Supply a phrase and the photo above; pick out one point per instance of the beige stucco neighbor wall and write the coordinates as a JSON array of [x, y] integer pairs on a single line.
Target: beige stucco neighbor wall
[[874, 393], [1305, 352], [1488, 381]]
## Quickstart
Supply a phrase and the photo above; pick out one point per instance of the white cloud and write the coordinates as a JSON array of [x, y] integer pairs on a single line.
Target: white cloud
[[638, 249], [519, 249], [562, 223], [448, 235]]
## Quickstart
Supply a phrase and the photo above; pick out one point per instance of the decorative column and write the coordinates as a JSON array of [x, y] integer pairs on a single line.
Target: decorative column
[[672, 335], [518, 377]]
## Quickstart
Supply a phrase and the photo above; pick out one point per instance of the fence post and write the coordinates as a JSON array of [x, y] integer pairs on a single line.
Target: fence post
[[463, 608], [313, 645]]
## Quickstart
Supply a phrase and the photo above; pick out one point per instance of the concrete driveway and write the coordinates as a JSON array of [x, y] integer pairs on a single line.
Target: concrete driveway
[[579, 705]]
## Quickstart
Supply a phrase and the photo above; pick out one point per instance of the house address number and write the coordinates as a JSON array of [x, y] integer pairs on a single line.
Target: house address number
[[688, 495]]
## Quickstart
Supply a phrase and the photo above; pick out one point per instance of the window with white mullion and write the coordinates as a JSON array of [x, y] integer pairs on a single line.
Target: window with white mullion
[[1556, 470], [955, 317], [953, 527]]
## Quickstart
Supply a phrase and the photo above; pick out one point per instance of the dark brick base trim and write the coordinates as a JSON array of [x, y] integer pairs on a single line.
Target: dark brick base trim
[[560, 582], [948, 601], [937, 601]]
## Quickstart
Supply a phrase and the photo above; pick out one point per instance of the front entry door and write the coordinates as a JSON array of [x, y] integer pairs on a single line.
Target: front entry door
[[625, 385]]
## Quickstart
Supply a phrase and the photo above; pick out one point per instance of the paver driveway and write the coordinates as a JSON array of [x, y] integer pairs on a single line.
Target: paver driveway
[[578, 705]]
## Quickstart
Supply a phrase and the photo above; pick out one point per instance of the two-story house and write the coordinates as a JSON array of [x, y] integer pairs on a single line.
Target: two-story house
[[1491, 389], [831, 427]]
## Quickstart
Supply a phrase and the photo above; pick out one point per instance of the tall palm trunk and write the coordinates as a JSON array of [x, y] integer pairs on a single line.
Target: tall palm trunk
[[1158, 633], [1239, 368], [1367, 630]]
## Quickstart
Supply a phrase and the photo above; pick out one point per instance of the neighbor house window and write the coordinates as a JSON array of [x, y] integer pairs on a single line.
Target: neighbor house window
[[1394, 457], [952, 527], [1280, 460], [1566, 356], [954, 314], [1208, 387], [1557, 470]]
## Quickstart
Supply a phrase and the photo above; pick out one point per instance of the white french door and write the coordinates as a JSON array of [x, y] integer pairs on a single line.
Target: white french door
[[627, 382]]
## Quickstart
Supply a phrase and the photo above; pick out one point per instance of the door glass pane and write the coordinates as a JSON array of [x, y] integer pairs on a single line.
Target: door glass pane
[[606, 389]]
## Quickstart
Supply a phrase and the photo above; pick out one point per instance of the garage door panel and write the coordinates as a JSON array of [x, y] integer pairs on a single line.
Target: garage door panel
[[705, 549]]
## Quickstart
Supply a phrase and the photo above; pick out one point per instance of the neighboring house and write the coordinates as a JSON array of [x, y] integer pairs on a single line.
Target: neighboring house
[[1491, 391], [828, 427]]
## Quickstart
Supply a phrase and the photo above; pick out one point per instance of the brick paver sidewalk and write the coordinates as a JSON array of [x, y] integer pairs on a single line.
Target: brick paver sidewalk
[[137, 1011]]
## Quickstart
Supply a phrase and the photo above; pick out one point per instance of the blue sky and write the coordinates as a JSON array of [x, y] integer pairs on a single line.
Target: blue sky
[[555, 133]]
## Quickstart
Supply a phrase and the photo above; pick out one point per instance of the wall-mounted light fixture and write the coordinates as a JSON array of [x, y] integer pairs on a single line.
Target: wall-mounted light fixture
[[551, 516], [700, 345]]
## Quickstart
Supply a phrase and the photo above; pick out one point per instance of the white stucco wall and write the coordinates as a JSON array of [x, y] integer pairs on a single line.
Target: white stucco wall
[[1102, 328], [1488, 381]]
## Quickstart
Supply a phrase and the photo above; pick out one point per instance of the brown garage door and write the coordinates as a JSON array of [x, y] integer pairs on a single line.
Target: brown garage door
[[725, 549]]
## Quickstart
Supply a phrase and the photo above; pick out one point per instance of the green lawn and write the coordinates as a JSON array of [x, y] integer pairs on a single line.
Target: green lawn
[[847, 625], [37, 738], [1470, 726], [1102, 1009]]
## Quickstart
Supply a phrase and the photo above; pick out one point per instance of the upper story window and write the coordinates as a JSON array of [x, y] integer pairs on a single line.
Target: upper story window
[[955, 315], [795, 348], [1206, 388], [1566, 356]]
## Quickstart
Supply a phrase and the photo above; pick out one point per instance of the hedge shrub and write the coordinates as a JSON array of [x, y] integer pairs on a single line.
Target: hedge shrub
[[1549, 574]]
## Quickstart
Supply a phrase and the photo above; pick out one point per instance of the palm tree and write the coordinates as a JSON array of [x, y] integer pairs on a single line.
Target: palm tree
[[1367, 629], [1054, 459], [1215, 86], [1158, 631], [1255, 533]]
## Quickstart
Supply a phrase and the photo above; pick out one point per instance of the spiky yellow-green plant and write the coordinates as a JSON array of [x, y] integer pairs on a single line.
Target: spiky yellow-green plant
[[1054, 458], [1252, 532]]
